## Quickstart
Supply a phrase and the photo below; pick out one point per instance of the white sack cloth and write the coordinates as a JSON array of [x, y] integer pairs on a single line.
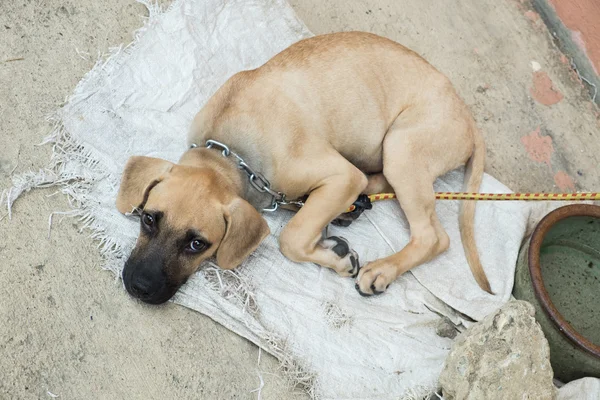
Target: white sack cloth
[[335, 343]]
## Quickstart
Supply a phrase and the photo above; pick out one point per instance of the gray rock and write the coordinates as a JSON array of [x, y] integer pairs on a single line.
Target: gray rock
[[445, 328], [504, 356]]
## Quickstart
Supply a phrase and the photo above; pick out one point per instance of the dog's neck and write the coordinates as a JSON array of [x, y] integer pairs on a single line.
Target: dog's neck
[[233, 178]]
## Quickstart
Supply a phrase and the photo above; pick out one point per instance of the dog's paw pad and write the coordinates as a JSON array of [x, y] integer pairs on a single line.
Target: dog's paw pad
[[354, 262], [348, 264], [337, 244]]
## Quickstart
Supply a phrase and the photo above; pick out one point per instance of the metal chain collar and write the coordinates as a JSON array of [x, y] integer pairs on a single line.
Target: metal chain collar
[[256, 179]]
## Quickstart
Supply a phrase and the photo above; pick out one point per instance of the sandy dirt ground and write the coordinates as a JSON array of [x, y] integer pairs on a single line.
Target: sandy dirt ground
[[68, 328]]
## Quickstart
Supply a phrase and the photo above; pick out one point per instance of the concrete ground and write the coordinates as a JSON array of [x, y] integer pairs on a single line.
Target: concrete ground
[[68, 328]]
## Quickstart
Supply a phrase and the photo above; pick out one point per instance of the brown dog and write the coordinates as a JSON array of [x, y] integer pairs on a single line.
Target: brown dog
[[331, 117]]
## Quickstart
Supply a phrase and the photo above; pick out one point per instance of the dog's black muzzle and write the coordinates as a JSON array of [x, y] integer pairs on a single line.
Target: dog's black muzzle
[[146, 280]]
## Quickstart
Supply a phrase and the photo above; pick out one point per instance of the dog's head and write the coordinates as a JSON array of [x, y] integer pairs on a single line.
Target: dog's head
[[187, 214]]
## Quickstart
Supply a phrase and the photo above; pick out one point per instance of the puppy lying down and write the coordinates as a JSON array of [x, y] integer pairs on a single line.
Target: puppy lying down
[[326, 120]]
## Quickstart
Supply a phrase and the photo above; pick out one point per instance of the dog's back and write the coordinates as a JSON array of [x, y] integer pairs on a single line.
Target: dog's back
[[340, 90]]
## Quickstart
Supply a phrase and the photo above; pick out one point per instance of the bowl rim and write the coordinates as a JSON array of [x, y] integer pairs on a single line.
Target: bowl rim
[[537, 238]]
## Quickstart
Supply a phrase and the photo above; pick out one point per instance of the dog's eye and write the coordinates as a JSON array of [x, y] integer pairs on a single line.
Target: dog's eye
[[197, 245], [147, 219]]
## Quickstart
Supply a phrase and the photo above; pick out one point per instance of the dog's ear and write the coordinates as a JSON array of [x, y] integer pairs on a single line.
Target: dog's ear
[[141, 174], [245, 229]]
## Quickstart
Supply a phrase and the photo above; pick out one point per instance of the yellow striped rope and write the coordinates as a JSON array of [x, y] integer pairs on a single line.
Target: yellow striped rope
[[495, 196]]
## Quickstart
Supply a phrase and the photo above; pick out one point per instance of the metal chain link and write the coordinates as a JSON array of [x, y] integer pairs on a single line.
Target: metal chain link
[[256, 179]]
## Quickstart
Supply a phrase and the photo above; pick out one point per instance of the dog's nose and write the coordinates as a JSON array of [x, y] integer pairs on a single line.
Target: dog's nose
[[142, 286]]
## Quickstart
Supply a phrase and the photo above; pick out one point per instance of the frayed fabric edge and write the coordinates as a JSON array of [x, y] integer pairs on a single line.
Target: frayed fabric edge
[[237, 289], [76, 183], [422, 393]]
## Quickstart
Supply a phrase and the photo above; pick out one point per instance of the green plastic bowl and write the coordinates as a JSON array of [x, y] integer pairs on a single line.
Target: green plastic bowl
[[558, 271]]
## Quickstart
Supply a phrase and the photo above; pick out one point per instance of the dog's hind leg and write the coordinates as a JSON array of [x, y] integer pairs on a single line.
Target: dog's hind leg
[[301, 239], [428, 238], [410, 167]]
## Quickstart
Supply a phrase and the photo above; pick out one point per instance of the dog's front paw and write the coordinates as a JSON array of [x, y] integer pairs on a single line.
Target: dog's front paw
[[374, 278], [348, 263]]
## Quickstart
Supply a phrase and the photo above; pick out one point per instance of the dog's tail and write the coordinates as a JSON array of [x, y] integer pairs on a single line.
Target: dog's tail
[[473, 177]]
